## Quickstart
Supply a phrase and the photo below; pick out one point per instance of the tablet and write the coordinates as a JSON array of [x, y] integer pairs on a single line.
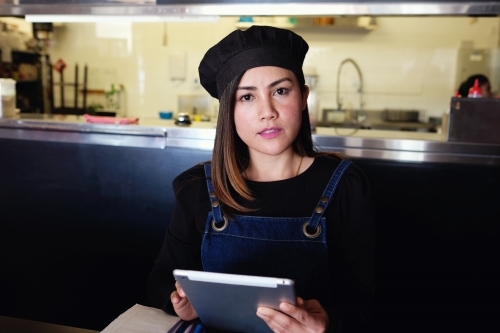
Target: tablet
[[229, 301]]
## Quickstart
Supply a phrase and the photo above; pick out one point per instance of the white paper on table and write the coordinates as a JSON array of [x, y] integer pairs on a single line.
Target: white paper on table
[[141, 319]]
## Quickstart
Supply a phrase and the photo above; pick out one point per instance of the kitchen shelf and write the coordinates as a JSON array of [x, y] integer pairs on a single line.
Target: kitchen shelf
[[25, 68], [338, 24], [246, 25]]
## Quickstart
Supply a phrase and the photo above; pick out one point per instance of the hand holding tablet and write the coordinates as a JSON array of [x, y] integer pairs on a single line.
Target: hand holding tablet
[[182, 306], [230, 301]]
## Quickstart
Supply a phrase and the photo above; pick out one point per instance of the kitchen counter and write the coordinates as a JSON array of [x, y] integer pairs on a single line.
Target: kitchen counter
[[79, 122], [158, 133]]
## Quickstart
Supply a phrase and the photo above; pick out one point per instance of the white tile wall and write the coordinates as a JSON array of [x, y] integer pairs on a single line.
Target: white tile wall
[[407, 62]]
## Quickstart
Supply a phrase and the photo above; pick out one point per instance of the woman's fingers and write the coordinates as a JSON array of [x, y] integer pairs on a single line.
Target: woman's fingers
[[279, 322], [180, 291], [306, 316], [296, 312], [182, 306], [177, 299]]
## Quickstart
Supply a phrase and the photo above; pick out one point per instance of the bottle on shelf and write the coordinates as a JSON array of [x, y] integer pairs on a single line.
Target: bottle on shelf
[[475, 91]]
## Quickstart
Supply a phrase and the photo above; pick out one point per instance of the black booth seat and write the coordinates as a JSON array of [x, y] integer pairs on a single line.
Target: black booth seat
[[81, 225]]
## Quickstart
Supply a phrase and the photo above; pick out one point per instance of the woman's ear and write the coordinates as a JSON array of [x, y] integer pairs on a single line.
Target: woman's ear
[[305, 95]]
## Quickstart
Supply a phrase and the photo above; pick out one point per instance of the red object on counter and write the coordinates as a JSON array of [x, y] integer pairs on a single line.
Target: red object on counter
[[110, 120], [475, 91]]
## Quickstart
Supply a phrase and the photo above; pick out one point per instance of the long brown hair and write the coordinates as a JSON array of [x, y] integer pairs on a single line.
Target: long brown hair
[[231, 156]]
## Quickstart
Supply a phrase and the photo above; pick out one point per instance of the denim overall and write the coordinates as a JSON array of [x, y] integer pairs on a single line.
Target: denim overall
[[283, 247]]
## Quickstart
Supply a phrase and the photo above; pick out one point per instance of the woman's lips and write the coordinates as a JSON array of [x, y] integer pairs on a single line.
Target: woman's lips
[[269, 133]]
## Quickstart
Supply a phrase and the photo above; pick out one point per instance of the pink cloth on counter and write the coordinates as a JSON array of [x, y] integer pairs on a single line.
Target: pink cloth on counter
[[110, 120]]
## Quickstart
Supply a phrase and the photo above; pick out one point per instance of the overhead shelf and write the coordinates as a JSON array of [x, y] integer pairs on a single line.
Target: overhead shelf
[[349, 23]]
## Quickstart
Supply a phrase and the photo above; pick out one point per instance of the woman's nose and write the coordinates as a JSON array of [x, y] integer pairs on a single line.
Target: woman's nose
[[267, 109]]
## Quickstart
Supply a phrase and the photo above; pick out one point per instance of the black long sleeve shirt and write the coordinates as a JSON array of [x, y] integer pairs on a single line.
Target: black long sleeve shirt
[[350, 234]]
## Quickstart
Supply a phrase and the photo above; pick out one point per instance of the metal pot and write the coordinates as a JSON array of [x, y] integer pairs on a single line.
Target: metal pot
[[183, 119], [401, 115]]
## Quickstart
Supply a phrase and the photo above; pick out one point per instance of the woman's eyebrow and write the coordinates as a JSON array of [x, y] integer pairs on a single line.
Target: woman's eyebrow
[[275, 83], [272, 84], [247, 88]]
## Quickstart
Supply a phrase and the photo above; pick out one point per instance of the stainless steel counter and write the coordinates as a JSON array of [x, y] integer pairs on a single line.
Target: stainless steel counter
[[79, 132], [157, 134]]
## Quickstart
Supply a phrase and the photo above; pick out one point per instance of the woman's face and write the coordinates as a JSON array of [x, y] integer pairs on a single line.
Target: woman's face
[[486, 90], [268, 109]]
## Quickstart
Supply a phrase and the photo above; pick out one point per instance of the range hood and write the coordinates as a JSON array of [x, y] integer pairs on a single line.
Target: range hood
[[250, 7]]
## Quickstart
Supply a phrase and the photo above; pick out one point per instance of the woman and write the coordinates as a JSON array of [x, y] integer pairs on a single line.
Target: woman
[[483, 81], [268, 203]]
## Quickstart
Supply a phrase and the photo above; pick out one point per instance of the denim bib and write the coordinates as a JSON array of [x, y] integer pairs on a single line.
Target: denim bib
[[283, 247]]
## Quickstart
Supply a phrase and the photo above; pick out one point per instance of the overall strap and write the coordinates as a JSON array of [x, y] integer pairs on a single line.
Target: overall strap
[[214, 201], [328, 193]]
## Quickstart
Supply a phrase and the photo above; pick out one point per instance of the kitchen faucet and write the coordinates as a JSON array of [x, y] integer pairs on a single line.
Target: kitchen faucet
[[360, 116]]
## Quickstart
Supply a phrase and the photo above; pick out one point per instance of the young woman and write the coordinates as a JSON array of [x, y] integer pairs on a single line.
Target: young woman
[[484, 83], [269, 204]]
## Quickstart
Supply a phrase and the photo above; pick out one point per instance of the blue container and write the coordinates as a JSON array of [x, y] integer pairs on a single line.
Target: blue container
[[165, 114], [246, 19]]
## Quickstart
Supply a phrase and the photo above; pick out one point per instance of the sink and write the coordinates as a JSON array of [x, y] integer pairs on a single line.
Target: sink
[[369, 120], [385, 126], [346, 124]]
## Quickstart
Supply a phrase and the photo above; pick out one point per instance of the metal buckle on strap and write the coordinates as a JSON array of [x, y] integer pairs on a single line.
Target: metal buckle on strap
[[224, 224], [313, 235]]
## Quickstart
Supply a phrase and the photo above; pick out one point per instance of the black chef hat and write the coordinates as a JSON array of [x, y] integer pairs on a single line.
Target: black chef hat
[[241, 50]]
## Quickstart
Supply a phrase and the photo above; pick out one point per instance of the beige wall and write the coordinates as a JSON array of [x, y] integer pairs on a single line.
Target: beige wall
[[407, 62]]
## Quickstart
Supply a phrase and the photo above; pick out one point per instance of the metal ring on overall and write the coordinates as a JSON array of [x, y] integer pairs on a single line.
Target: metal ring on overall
[[315, 234], [216, 228]]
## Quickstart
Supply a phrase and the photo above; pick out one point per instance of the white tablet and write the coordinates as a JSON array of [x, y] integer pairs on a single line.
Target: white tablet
[[229, 301]]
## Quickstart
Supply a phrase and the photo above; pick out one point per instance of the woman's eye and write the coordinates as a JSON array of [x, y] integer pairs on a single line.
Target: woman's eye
[[281, 91], [245, 97]]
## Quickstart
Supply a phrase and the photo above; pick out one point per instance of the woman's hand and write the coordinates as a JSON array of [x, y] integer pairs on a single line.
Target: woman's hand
[[306, 316], [181, 304]]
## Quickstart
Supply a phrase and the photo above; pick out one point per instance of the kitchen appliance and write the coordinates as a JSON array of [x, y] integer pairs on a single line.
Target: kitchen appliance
[[473, 120], [8, 102], [42, 31], [311, 79]]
